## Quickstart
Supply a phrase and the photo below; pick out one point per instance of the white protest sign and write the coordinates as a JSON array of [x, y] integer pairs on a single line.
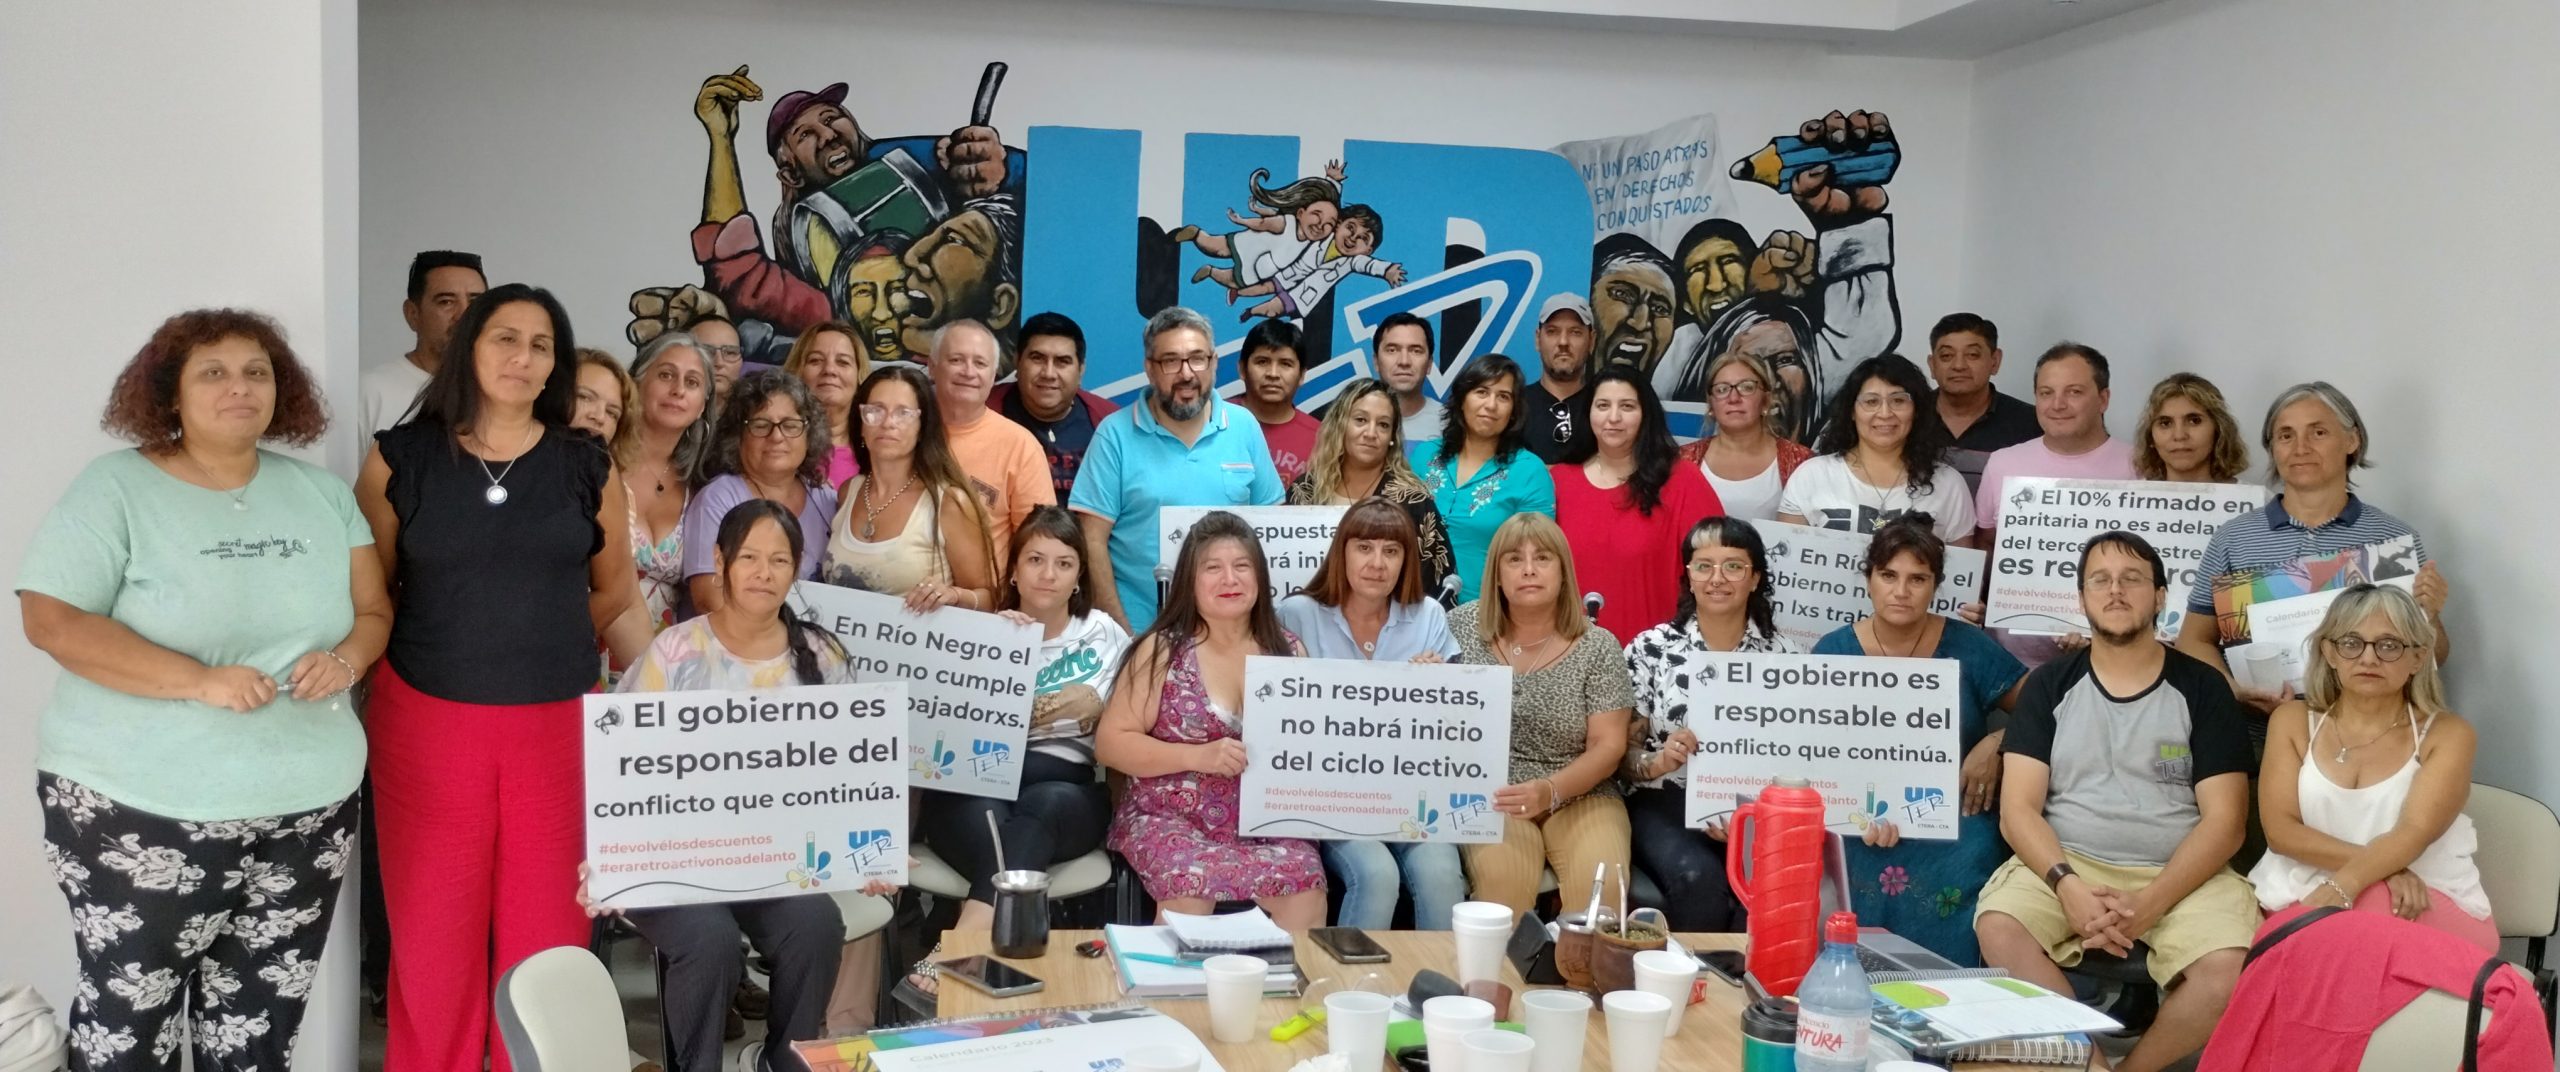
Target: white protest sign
[[1294, 538], [970, 678], [1880, 738], [2044, 521], [1820, 578], [1347, 749], [2283, 627], [695, 797]]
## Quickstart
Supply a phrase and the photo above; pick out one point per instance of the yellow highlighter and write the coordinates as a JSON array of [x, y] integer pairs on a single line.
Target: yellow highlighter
[[1298, 1025]]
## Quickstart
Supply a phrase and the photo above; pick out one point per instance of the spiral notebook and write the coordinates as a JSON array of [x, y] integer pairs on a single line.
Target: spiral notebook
[[2071, 1050], [1249, 931]]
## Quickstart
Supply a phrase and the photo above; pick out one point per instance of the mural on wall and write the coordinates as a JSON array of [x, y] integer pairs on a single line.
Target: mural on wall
[[899, 235]]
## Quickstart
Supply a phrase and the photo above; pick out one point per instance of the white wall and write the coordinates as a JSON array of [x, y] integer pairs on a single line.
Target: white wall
[[160, 157], [558, 139], [2269, 191]]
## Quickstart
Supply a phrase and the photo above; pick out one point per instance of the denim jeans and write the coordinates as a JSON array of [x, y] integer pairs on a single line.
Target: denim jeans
[[1371, 871], [1683, 860]]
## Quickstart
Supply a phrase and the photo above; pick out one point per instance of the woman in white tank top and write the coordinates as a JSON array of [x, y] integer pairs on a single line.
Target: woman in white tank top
[[910, 525], [2365, 777]]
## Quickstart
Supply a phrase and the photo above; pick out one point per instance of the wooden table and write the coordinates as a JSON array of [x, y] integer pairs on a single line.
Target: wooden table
[[1710, 1038]]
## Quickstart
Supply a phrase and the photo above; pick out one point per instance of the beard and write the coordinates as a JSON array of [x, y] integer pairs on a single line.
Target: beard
[[1183, 411], [2123, 639]]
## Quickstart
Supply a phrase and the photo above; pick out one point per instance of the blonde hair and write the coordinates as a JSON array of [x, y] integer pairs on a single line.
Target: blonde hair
[[2425, 690], [1324, 470], [2230, 453], [626, 432], [1773, 405], [808, 340], [1537, 532]]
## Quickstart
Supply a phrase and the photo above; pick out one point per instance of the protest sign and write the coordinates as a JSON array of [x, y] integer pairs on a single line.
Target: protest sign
[[706, 796], [1820, 579], [2044, 521], [1343, 748], [2280, 629], [1294, 538], [2238, 595], [970, 679], [1878, 737]]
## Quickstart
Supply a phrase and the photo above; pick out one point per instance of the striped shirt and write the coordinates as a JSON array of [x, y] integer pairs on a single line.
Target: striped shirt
[[2268, 539]]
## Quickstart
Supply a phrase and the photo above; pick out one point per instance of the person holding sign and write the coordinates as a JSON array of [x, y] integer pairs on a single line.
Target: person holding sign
[[770, 443], [1175, 726], [1746, 460], [1729, 604], [2071, 408], [752, 641], [1062, 809], [1479, 473], [1367, 602], [2126, 792], [2315, 440], [209, 603], [1925, 890], [1625, 503], [500, 529], [1881, 455], [2365, 777], [1360, 455], [910, 524], [1570, 701], [2187, 434]]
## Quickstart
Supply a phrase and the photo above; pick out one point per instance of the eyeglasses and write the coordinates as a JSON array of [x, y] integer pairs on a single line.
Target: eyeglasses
[[1738, 388], [2387, 649], [787, 428], [890, 416], [2122, 582], [1734, 569], [1195, 362], [1899, 400], [723, 353]]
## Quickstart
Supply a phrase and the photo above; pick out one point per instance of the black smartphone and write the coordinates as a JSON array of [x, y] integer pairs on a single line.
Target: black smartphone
[[1349, 945], [996, 978], [1725, 963]]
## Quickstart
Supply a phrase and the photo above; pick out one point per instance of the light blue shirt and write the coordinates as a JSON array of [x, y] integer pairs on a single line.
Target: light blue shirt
[[1135, 468], [1411, 629], [1473, 508]]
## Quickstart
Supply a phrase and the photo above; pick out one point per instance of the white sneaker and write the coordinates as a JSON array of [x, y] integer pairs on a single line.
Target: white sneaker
[[751, 1056]]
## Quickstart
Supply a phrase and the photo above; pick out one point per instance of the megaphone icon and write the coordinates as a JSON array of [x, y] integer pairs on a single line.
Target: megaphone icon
[[1263, 693], [611, 717]]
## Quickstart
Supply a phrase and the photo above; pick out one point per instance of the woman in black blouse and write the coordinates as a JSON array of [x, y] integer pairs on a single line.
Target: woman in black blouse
[[492, 518]]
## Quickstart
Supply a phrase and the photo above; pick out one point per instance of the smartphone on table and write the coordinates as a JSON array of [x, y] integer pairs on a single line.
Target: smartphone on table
[[1349, 945], [994, 977], [1725, 963]]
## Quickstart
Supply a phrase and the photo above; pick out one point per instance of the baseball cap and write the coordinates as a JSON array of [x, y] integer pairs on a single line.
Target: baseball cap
[[1561, 303], [790, 107]]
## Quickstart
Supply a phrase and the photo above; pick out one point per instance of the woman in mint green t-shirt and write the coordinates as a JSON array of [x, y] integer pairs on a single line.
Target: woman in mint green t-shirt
[[210, 604]]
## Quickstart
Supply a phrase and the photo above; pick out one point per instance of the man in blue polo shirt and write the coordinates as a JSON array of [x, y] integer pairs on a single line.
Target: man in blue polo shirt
[[1180, 445]]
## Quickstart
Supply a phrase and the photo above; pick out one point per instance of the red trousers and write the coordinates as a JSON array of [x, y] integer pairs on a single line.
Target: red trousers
[[477, 811]]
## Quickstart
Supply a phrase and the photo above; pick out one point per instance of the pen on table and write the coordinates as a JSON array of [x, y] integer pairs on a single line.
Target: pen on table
[[1159, 958]]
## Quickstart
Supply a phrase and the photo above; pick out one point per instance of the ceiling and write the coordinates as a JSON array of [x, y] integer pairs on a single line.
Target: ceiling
[[1943, 29]]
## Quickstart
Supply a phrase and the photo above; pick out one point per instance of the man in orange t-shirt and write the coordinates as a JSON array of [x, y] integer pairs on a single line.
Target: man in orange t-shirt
[[1001, 458]]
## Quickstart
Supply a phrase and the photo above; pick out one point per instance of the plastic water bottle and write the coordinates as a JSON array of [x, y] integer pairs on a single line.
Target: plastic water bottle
[[1833, 1003]]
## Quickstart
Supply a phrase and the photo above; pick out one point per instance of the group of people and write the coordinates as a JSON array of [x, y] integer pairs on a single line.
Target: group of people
[[535, 521]]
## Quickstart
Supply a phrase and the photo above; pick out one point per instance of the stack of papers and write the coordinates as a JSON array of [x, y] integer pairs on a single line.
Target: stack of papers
[[1151, 965], [1249, 931]]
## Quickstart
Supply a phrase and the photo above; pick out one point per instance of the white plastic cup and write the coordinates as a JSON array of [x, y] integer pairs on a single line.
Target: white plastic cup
[[1495, 1050], [1355, 1025], [1480, 950], [1559, 1021], [1485, 912], [1635, 1029], [1671, 975], [2266, 666], [1161, 1059], [1235, 993], [1447, 1019]]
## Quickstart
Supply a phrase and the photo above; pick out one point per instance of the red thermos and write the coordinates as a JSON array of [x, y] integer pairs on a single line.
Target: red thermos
[[1784, 893]]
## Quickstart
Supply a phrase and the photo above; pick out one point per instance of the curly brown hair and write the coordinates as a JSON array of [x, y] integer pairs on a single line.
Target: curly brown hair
[[143, 406]]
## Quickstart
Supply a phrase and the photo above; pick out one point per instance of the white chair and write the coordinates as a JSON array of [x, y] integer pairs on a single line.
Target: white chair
[[1073, 878], [2426, 1034], [557, 1012], [2519, 861]]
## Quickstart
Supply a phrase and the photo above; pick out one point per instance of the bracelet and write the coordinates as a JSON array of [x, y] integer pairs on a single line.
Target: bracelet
[[1555, 798], [2341, 890], [352, 675]]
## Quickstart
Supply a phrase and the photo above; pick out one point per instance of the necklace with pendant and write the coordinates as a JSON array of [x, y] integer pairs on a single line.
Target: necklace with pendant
[[871, 507], [497, 493], [239, 495], [2344, 747]]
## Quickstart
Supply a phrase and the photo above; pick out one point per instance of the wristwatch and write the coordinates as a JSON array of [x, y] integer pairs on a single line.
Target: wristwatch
[[2054, 875]]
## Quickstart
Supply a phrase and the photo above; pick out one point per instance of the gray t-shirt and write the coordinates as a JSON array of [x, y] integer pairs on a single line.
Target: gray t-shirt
[[2125, 768]]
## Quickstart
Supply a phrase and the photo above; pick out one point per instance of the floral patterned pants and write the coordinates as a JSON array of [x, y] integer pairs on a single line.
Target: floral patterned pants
[[202, 932]]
